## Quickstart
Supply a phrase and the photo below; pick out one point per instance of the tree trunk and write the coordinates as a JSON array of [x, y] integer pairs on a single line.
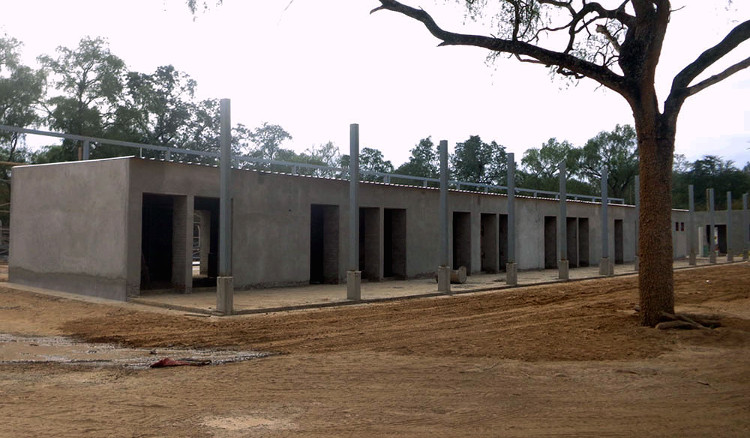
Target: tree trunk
[[655, 279]]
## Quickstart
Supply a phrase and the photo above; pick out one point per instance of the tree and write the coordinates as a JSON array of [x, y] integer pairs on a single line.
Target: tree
[[617, 151], [90, 81], [542, 167], [618, 47], [712, 172], [370, 160], [323, 155], [157, 108], [327, 154], [268, 139], [424, 160], [479, 162], [21, 88]]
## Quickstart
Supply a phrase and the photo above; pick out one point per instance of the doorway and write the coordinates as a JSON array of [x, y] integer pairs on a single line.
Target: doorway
[[324, 244]]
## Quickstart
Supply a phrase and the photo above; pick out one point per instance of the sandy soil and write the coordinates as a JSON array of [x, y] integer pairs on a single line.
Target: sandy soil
[[560, 360]]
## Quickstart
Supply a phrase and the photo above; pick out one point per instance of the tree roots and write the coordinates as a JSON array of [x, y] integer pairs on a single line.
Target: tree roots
[[688, 322]]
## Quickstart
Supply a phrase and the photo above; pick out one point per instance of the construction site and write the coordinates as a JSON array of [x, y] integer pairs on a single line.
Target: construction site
[[113, 321]]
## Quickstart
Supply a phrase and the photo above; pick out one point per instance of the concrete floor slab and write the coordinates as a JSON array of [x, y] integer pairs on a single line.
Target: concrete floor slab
[[319, 296]]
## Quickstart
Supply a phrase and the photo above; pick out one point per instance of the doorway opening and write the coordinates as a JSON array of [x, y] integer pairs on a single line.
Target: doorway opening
[[156, 241], [721, 237], [489, 243], [394, 243], [571, 233], [369, 243], [324, 244], [619, 246], [550, 242], [205, 260], [462, 240], [583, 242]]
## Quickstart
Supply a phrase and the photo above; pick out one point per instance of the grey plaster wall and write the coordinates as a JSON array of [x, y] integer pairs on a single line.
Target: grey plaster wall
[[737, 235], [78, 226], [69, 225]]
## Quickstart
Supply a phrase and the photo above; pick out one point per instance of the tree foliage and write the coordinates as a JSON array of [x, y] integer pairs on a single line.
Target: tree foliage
[[370, 160], [541, 166], [710, 172], [158, 106], [476, 161], [617, 151], [423, 161], [268, 139], [89, 80], [21, 88]]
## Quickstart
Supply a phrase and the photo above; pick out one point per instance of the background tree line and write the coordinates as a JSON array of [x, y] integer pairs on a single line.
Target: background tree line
[[89, 91]]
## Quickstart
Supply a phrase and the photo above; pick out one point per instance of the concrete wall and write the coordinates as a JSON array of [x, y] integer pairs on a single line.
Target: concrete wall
[[737, 235], [69, 223], [91, 214]]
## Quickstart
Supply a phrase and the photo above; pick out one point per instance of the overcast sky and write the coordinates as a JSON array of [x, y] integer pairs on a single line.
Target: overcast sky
[[316, 66]]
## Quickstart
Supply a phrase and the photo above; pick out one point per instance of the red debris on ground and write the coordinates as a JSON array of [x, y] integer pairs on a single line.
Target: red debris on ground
[[169, 362]]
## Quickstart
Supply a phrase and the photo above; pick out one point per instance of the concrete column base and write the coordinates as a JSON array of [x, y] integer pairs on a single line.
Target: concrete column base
[[692, 259], [354, 285], [563, 273], [712, 257], [730, 258], [225, 295], [444, 279], [606, 267], [511, 274], [637, 263]]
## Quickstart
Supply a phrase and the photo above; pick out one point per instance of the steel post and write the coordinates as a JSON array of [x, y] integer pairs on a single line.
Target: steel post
[[692, 250], [605, 267], [562, 227], [354, 275], [225, 282], [730, 246], [745, 229], [444, 271], [511, 276], [711, 227]]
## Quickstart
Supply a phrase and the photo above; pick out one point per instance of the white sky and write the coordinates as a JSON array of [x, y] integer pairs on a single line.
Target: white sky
[[320, 65]]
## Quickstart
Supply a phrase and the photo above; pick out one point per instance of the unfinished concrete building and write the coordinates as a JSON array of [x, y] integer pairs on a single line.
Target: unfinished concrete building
[[117, 228]]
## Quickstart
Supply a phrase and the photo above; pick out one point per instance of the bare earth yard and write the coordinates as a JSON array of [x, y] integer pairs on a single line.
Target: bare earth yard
[[566, 359]]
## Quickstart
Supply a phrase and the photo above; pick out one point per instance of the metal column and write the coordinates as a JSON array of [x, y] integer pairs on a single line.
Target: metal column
[[692, 250], [444, 270], [605, 266], [730, 255], [353, 274], [711, 227], [511, 269], [562, 229], [745, 231], [225, 281]]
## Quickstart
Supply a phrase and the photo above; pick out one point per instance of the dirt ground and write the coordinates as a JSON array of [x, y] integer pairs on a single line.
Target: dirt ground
[[557, 360]]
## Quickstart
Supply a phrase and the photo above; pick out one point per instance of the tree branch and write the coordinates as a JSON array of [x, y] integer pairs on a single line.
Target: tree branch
[[547, 57], [719, 77], [681, 85], [607, 34]]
